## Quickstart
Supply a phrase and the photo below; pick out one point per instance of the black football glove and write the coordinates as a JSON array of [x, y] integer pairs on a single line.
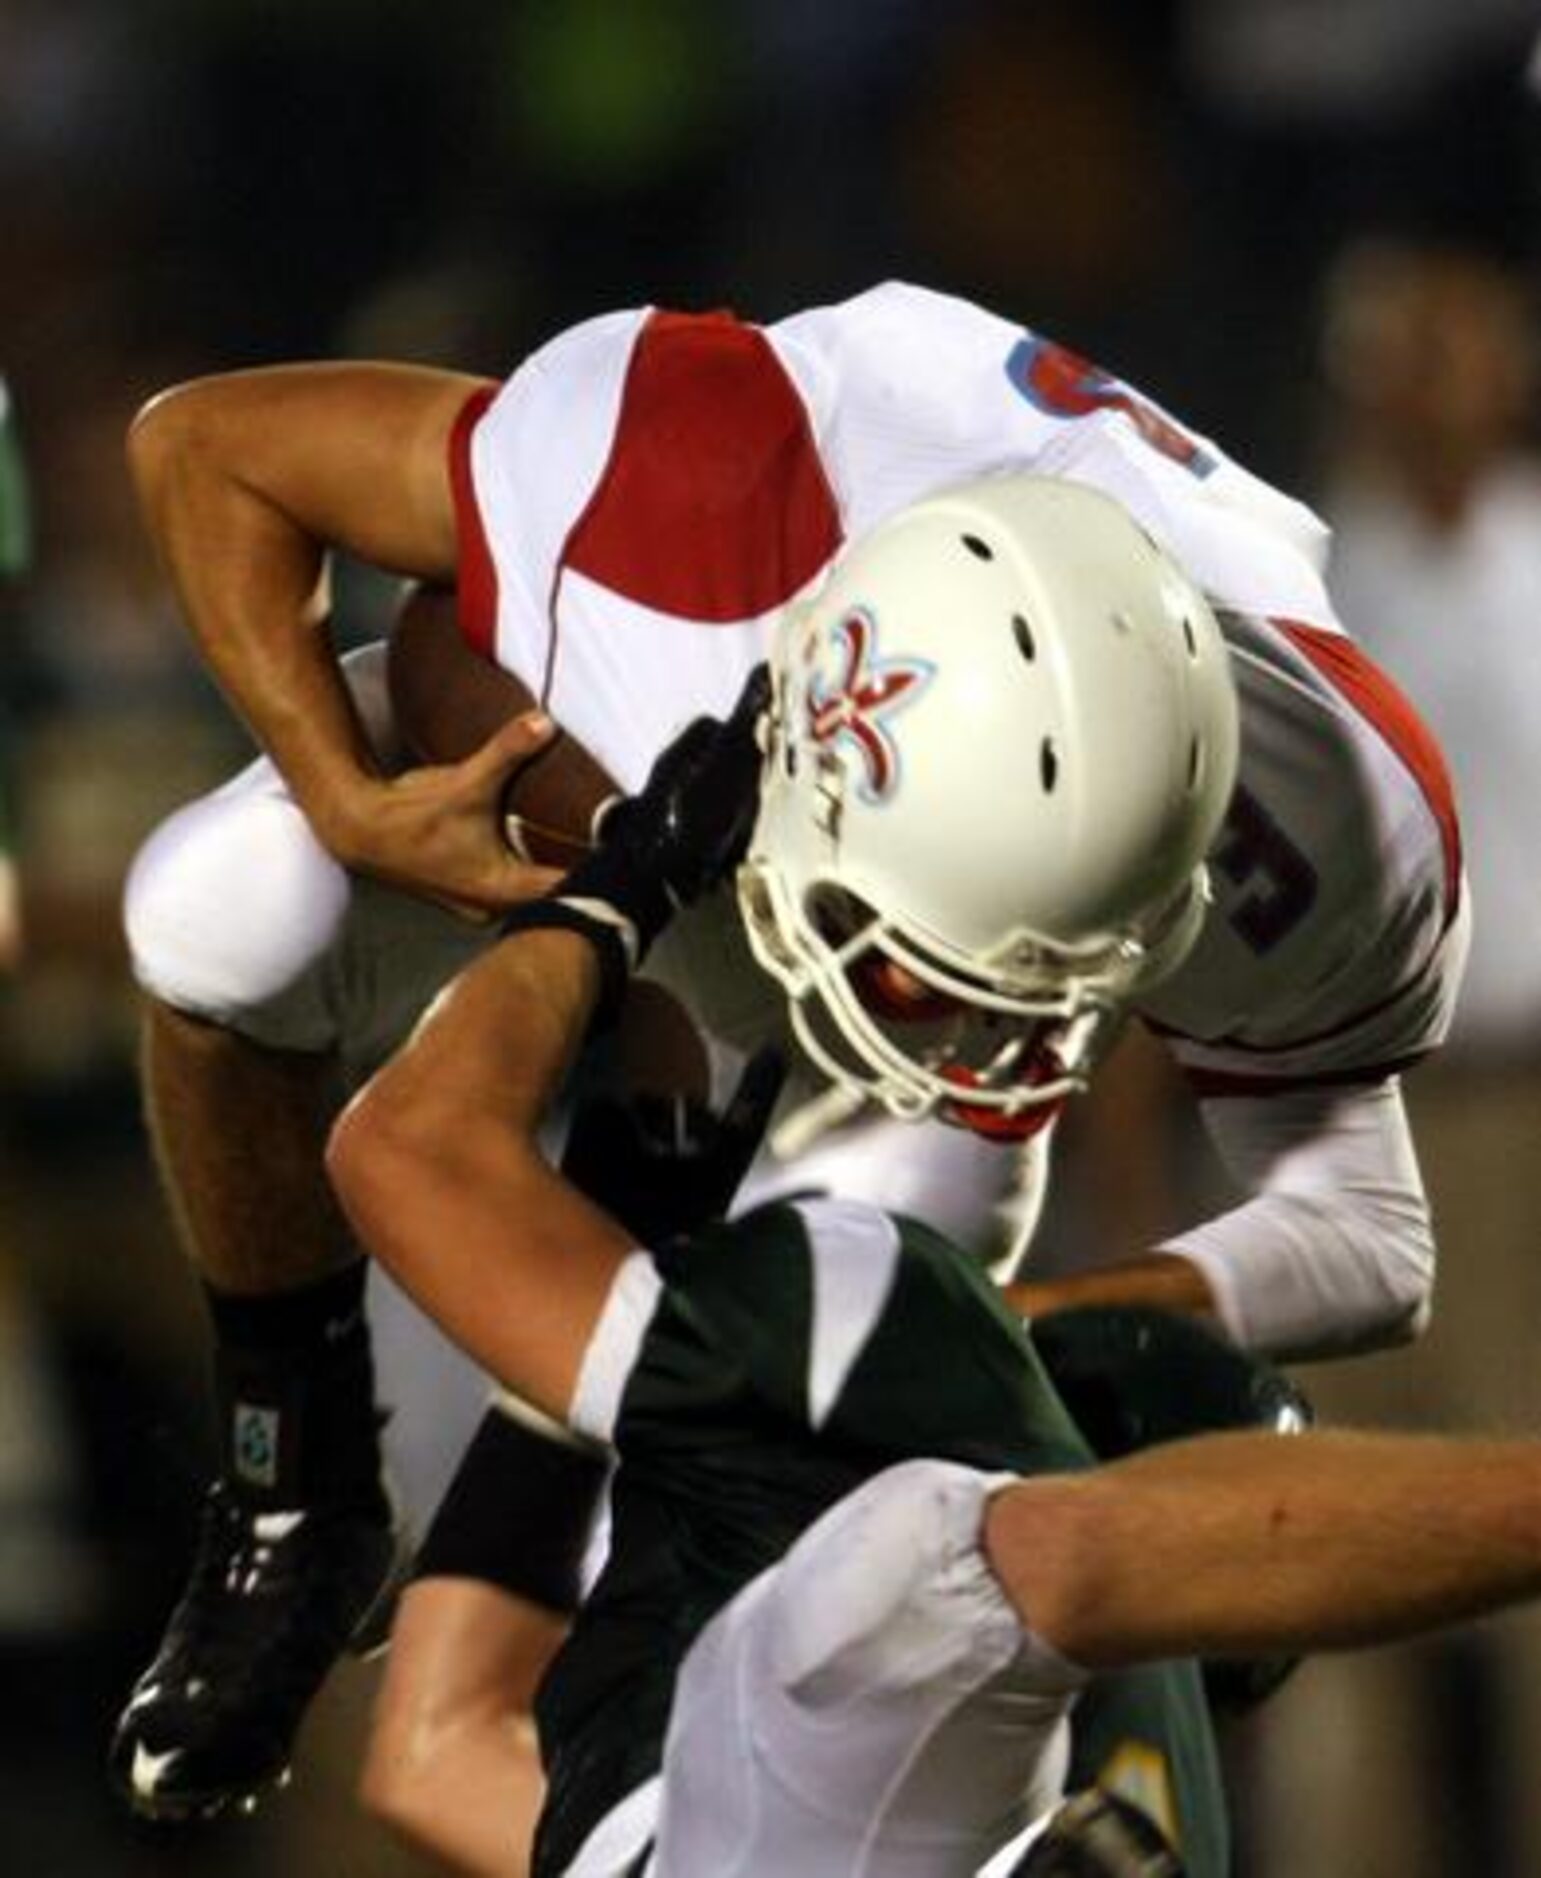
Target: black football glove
[[1095, 1834], [684, 831], [664, 1165], [688, 826]]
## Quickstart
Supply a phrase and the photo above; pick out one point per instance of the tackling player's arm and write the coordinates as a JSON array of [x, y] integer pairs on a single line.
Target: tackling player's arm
[[247, 481], [453, 1766], [439, 1166], [1244, 1544], [438, 1160]]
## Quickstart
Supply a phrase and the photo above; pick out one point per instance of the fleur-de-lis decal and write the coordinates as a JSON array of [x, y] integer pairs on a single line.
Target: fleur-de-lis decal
[[868, 690]]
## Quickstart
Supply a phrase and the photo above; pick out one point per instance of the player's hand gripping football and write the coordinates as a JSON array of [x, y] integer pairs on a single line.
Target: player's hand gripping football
[[435, 830]]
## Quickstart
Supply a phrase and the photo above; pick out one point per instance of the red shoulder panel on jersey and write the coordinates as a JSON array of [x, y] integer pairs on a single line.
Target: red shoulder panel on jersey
[[476, 578], [1352, 673], [714, 505]]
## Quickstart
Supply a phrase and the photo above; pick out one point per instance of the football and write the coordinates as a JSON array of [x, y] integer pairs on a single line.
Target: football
[[448, 700]]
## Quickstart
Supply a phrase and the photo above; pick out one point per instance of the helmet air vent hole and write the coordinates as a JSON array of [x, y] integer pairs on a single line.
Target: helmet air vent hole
[[1121, 621], [1189, 638], [1023, 634], [1195, 764], [1048, 765], [981, 550]]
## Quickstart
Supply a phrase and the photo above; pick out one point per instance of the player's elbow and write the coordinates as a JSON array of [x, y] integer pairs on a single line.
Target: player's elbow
[[382, 1147], [1396, 1239], [412, 1764], [452, 1766], [171, 429], [401, 1775], [1347, 1271]]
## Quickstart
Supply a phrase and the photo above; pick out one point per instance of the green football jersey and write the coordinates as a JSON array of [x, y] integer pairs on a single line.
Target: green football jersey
[[15, 507], [793, 1354]]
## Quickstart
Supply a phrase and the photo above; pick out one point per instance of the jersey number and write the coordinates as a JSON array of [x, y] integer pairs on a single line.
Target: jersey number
[[1063, 384], [1254, 852]]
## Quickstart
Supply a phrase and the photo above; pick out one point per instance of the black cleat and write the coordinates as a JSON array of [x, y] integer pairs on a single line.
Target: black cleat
[[274, 1599]]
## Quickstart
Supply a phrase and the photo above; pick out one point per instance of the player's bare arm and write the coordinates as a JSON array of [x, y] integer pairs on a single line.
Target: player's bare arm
[[247, 482], [1231, 1545], [453, 1764], [1162, 1280], [438, 1161], [438, 1165]]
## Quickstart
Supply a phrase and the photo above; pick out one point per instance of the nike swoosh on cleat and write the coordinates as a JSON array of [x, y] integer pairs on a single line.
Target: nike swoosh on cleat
[[148, 1768]]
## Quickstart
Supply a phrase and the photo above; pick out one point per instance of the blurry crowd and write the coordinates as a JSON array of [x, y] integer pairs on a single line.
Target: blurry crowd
[[1311, 226]]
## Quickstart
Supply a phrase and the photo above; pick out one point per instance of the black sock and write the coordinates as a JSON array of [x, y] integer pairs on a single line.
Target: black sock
[[294, 1380]]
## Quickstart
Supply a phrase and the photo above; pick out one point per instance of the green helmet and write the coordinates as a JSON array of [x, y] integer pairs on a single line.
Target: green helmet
[[15, 508], [1133, 1377]]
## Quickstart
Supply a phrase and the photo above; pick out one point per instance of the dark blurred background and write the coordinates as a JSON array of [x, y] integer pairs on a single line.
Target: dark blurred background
[[1311, 226]]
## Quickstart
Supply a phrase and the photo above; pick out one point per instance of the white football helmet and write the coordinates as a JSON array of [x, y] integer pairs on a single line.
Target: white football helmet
[[1003, 735]]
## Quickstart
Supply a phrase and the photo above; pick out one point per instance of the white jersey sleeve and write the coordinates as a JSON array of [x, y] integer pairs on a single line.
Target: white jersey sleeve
[[1332, 1251], [1330, 961]]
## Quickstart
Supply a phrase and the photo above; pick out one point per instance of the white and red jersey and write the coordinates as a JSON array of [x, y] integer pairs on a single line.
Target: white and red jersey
[[642, 499], [1339, 924]]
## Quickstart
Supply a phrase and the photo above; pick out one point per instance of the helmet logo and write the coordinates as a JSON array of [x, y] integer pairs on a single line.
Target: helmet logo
[[868, 690]]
